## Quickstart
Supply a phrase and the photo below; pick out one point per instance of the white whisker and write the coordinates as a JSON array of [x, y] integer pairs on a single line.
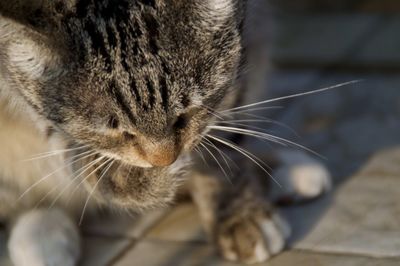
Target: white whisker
[[215, 158], [81, 171], [197, 149], [294, 95], [247, 132], [247, 126], [87, 176], [52, 153], [48, 194], [111, 162], [55, 171], [221, 153], [212, 111], [250, 156], [262, 135], [238, 112]]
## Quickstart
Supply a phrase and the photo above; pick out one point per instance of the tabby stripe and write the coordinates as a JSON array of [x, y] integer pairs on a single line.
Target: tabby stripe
[[151, 93], [82, 8], [151, 3], [164, 93], [120, 99], [111, 32], [152, 33], [135, 91], [98, 42], [136, 33]]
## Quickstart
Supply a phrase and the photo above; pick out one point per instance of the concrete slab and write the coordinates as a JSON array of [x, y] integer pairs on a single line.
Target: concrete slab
[[121, 224], [166, 253], [4, 258], [362, 217], [299, 258], [99, 251], [182, 224]]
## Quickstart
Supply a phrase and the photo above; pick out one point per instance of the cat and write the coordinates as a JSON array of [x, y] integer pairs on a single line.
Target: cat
[[102, 104]]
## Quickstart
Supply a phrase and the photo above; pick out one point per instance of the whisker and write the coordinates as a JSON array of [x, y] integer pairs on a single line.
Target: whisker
[[59, 169], [221, 153], [111, 162], [226, 155], [199, 152], [243, 150], [50, 192], [272, 138], [251, 134], [52, 153], [212, 111], [251, 110], [250, 115], [82, 170], [295, 95], [215, 158], [250, 156], [238, 123], [87, 176]]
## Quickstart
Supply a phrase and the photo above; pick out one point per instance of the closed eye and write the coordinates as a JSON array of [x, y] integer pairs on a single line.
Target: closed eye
[[180, 122], [129, 136]]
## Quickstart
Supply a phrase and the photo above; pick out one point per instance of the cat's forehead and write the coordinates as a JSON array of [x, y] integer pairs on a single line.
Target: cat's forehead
[[105, 21], [163, 46]]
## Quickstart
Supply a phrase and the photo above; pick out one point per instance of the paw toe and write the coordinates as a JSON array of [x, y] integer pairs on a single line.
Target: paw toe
[[253, 240]]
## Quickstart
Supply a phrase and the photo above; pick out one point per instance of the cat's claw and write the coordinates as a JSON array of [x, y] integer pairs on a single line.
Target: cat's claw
[[252, 239]]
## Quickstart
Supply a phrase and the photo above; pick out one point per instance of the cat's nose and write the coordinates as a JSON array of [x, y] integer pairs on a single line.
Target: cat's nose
[[161, 154]]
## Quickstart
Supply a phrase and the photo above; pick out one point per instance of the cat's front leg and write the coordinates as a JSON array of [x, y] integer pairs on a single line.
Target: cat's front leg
[[241, 222], [44, 238]]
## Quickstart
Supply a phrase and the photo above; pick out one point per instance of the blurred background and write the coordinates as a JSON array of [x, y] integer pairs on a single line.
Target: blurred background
[[317, 44]]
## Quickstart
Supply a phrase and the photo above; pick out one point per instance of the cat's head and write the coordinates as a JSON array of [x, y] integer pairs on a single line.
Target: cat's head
[[133, 79]]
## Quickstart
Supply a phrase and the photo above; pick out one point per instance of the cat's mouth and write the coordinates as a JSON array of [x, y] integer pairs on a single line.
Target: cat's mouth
[[129, 186], [133, 161]]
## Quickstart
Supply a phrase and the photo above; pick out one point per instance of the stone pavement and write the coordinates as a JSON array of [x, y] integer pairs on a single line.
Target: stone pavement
[[355, 127]]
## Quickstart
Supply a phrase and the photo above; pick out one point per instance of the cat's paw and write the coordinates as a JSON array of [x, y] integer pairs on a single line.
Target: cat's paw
[[300, 178], [44, 238], [252, 235]]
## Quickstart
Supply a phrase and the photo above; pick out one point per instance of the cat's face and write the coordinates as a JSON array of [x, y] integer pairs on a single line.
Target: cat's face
[[134, 80]]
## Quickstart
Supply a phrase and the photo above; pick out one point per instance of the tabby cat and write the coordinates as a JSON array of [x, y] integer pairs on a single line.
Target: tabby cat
[[102, 103]]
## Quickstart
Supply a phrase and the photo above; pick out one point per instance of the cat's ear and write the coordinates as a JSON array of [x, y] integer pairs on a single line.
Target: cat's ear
[[29, 13], [37, 14], [25, 44], [222, 7]]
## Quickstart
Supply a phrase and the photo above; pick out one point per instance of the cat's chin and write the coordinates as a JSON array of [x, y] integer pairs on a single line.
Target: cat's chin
[[138, 188]]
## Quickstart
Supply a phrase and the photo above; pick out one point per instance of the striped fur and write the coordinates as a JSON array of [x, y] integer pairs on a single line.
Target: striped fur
[[132, 80]]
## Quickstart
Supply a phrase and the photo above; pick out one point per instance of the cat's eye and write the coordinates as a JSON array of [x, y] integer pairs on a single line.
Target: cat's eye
[[129, 136], [113, 122], [180, 122]]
